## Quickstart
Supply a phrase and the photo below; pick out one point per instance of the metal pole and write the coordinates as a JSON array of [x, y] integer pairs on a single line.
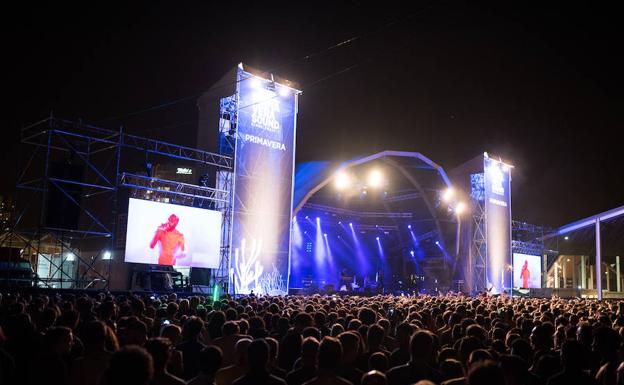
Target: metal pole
[[618, 281], [583, 272], [598, 262]]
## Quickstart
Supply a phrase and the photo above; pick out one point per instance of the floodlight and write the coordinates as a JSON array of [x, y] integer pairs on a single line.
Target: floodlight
[[375, 178], [284, 91], [342, 180], [448, 194], [255, 83], [459, 208]]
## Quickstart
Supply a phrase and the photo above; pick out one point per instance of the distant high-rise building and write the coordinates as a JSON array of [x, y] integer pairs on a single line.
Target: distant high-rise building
[[6, 208]]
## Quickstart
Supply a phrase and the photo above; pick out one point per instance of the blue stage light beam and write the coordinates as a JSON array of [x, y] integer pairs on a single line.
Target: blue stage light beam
[[380, 248], [319, 250], [359, 251], [329, 257]]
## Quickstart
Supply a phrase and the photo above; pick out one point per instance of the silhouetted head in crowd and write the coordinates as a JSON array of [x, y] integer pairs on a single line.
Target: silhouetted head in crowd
[[132, 365], [421, 346], [485, 373], [210, 360], [309, 349], [258, 355], [94, 335], [374, 377], [57, 341], [192, 328], [329, 353]]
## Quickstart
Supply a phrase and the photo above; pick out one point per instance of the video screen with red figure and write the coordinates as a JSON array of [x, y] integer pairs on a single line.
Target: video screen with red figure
[[527, 271], [173, 235]]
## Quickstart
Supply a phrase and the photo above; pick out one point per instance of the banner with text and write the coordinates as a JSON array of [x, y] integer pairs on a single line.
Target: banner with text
[[263, 185], [497, 182]]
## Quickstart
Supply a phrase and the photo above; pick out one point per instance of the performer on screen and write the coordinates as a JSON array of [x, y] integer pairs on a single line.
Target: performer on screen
[[525, 274], [171, 241]]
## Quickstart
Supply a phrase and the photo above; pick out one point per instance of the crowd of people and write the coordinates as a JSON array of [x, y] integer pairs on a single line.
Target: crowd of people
[[102, 339]]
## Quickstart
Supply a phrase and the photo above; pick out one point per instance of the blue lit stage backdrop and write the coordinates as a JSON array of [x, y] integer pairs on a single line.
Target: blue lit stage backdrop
[[263, 185], [499, 269]]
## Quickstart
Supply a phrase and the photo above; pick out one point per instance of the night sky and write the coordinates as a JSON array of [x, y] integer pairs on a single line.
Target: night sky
[[538, 85]]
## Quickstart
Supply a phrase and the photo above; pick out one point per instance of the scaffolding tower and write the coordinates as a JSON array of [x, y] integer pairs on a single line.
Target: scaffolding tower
[[68, 197]]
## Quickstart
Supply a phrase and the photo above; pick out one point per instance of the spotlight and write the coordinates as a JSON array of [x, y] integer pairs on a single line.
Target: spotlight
[[255, 83], [566, 237], [339, 222], [107, 255], [342, 180], [307, 217], [284, 91], [325, 235], [375, 178], [350, 224], [70, 257], [409, 227], [318, 219], [377, 238], [412, 253], [448, 194], [437, 243], [459, 208]]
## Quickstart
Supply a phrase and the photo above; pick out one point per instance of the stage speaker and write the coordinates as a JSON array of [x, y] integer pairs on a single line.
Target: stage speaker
[[199, 276], [63, 198]]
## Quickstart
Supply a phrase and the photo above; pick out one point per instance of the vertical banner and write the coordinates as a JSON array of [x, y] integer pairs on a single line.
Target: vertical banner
[[497, 182], [263, 185]]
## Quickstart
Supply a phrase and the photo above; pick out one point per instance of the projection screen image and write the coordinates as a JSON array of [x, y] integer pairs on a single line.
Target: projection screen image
[[527, 271], [173, 235]]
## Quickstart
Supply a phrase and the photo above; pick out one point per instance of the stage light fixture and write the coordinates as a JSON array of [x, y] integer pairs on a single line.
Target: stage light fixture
[[107, 255], [342, 180], [325, 235], [350, 224], [412, 252], [409, 227], [284, 91], [318, 219], [448, 194], [375, 178], [566, 237], [255, 83], [70, 257], [307, 217], [437, 243], [377, 238], [459, 208]]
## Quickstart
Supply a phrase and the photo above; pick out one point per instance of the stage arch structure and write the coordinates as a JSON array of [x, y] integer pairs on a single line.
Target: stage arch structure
[[397, 232]]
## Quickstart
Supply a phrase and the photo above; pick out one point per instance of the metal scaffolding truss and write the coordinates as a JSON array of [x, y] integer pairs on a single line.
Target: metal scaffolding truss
[[54, 147], [360, 214], [479, 247], [156, 188]]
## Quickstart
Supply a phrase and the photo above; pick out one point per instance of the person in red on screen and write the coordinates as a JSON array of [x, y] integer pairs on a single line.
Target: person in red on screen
[[525, 274], [171, 241]]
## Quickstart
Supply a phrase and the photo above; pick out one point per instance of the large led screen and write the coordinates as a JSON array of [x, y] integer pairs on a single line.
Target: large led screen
[[173, 235], [527, 271]]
